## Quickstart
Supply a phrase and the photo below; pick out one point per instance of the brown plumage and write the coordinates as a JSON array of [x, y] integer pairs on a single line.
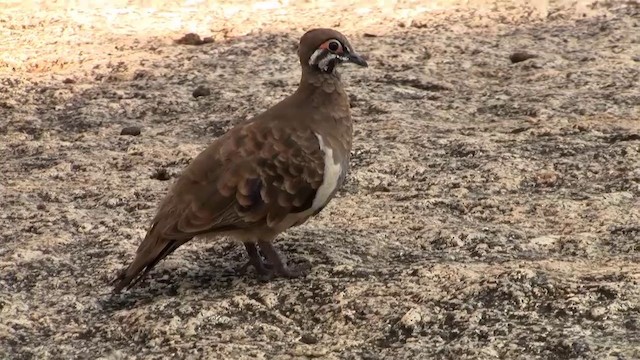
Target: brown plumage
[[265, 175]]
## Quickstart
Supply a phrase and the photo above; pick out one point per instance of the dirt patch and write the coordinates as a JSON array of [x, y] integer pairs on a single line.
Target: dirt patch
[[492, 210]]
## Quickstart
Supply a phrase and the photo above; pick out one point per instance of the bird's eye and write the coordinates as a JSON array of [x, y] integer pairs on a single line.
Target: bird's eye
[[334, 45]]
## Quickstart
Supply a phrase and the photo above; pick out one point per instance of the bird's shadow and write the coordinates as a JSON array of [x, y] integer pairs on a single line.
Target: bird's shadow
[[211, 269], [214, 269]]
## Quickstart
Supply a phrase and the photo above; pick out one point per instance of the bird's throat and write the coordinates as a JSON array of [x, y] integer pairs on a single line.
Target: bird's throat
[[330, 81]]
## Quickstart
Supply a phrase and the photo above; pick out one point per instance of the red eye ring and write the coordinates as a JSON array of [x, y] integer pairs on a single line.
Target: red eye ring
[[333, 45]]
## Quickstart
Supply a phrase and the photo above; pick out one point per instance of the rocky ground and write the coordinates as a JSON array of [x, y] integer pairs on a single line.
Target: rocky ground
[[492, 211]]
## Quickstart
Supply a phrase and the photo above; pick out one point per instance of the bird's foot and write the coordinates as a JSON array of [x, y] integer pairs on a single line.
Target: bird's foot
[[278, 265], [289, 272], [262, 268]]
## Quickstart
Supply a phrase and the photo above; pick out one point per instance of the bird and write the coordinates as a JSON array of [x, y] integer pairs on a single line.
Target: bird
[[266, 174]]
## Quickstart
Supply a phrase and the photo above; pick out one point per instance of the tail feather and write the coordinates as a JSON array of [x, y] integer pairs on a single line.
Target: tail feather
[[144, 262]]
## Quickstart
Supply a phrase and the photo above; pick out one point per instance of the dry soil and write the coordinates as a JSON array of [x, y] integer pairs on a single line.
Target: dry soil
[[492, 211]]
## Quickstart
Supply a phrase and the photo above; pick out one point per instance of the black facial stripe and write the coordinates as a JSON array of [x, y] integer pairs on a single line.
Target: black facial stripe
[[326, 61], [332, 64], [323, 57]]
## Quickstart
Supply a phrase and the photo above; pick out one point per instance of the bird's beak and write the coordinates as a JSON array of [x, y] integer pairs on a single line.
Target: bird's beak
[[356, 59]]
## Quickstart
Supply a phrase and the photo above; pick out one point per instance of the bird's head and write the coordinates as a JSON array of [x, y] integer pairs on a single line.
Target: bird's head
[[323, 49]]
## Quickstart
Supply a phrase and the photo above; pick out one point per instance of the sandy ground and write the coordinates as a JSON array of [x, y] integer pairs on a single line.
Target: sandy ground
[[492, 211]]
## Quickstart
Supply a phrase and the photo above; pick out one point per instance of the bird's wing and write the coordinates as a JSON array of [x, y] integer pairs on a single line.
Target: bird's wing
[[255, 175]]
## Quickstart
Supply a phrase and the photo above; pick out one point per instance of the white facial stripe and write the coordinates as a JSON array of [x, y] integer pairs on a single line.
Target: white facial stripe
[[314, 57]]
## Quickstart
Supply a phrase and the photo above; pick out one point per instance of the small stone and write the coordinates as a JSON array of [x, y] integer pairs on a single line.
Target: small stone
[[190, 39], [141, 74], [201, 91], [41, 206], [597, 313], [131, 131], [411, 318], [546, 178], [353, 101], [608, 292], [69, 81], [476, 238], [632, 324], [112, 203], [520, 56], [309, 339], [8, 104], [623, 137], [193, 39], [161, 174], [418, 24], [480, 250], [369, 35], [270, 300], [543, 241], [85, 227]]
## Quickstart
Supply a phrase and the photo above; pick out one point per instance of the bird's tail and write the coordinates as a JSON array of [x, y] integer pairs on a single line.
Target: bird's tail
[[152, 249]]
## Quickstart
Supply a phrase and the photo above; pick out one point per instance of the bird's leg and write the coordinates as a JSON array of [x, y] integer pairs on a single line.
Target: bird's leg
[[278, 263], [255, 260]]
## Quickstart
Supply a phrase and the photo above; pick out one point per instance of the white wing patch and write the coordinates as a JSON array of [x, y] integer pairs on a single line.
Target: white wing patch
[[332, 172]]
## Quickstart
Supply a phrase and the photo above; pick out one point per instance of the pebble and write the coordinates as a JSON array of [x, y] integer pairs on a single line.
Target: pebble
[[411, 318], [546, 178], [309, 339], [201, 91], [520, 56], [131, 131], [597, 313], [269, 300], [161, 174], [193, 39]]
